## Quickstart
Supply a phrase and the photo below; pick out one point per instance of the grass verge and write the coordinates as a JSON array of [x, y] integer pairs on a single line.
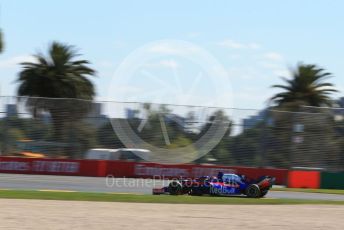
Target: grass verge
[[106, 197], [326, 191]]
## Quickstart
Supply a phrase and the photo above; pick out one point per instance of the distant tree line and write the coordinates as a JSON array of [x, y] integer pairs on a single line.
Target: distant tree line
[[60, 74]]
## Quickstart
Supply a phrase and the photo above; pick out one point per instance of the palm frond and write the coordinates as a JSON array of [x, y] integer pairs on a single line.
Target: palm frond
[[306, 85]]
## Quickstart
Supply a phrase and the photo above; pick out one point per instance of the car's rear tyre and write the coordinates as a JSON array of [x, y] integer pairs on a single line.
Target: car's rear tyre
[[253, 191], [263, 193], [196, 192], [175, 188]]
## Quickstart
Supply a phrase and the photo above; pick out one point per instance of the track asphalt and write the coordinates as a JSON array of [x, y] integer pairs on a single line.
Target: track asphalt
[[117, 185]]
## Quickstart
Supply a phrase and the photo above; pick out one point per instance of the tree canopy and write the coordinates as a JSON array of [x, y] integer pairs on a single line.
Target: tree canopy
[[57, 75], [307, 86]]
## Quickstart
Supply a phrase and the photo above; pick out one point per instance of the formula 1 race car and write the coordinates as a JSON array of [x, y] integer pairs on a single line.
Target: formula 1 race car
[[222, 185]]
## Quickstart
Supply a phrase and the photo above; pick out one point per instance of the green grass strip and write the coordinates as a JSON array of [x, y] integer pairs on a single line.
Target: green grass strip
[[107, 197], [326, 191]]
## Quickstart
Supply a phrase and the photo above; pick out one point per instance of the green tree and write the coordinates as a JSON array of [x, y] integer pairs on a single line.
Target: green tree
[[57, 75], [306, 87], [82, 137], [220, 153], [107, 137]]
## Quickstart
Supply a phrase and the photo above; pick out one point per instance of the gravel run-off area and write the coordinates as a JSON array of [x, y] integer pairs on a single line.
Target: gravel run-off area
[[48, 214]]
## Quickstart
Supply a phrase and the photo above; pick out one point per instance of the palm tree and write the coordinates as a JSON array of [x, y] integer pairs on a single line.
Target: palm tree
[[306, 87], [57, 75]]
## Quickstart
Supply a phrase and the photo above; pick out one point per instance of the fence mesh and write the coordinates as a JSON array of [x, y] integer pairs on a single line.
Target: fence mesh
[[68, 128]]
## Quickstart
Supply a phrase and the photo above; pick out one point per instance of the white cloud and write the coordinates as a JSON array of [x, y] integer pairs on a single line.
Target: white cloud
[[273, 56], [254, 46], [277, 68], [13, 62], [163, 48], [275, 63], [231, 44]]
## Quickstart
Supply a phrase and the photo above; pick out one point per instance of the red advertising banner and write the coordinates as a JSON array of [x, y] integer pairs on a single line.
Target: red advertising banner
[[52, 166], [128, 169], [168, 171], [304, 179]]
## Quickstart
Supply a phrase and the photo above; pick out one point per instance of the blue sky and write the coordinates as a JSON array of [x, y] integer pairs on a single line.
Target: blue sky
[[254, 41]]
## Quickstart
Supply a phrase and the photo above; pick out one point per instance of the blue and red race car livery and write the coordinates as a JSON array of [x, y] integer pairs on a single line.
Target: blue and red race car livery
[[222, 185]]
